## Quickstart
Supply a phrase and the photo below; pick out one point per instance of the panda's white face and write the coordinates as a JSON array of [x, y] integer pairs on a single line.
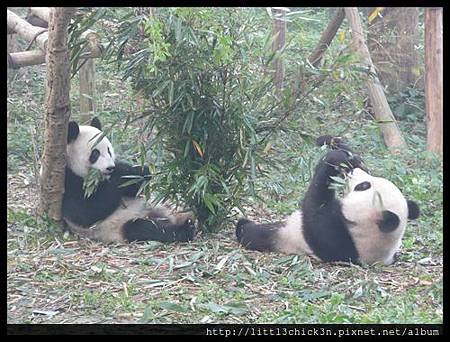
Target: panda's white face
[[83, 152], [368, 203], [366, 196]]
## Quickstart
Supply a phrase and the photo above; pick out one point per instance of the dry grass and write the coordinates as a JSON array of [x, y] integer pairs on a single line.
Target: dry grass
[[54, 278]]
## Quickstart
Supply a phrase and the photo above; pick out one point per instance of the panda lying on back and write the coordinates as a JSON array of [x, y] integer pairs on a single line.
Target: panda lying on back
[[365, 226], [112, 213]]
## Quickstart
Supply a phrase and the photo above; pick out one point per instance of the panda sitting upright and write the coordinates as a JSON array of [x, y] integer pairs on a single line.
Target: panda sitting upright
[[364, 227], [112, 213]]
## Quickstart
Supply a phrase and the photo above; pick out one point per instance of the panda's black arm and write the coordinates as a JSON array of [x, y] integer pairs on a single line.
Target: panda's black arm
[[319, 193], [124, 169]]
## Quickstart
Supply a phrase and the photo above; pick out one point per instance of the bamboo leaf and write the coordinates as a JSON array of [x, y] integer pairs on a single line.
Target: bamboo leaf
[[377, 11], [197, 148]]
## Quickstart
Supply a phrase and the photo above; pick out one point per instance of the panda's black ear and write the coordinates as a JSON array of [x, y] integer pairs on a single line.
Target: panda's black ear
[[413, 210], [389, 221], [96, 123], [73, 131]]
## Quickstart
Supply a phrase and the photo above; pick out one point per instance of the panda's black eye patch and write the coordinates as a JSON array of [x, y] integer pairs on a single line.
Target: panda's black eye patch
[[362, 186], [94, 156]]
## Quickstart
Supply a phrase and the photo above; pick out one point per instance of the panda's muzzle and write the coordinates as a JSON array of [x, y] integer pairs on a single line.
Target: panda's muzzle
[[109, 170]]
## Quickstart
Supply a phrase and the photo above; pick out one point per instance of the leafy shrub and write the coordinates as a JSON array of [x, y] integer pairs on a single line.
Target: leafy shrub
[[211, 105], [205, 97]]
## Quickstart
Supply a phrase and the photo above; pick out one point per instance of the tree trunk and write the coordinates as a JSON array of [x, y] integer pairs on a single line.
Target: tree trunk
[[434, 78], [383, 114], [279, 29], [408, 37], [391, 41], [57, 115], [327, 37]]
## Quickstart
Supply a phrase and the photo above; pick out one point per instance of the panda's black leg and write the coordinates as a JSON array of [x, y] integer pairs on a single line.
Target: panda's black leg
[[158, 230], [258, 237]]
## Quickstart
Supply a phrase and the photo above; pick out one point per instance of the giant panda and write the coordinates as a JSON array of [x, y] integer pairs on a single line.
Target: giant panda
[[365, 226], [112, 213]]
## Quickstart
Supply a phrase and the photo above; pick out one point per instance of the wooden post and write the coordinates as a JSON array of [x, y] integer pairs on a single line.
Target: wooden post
[[87, 89], [327, 37], [434, 79], [383, 114], [279, 29], [87, 76]]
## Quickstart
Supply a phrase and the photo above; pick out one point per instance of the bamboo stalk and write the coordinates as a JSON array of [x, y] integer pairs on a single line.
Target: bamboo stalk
[[279, 29]]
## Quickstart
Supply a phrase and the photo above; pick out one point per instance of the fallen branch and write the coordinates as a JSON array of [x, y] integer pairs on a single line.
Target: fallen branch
[[18, 60], [41, 12], [26, 30]]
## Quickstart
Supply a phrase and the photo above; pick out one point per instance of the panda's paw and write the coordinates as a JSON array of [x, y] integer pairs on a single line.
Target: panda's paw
[[328, 140], [182, 217], [357, 162], [396, 257], [337, 158], [189, 230], [343, 161]]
